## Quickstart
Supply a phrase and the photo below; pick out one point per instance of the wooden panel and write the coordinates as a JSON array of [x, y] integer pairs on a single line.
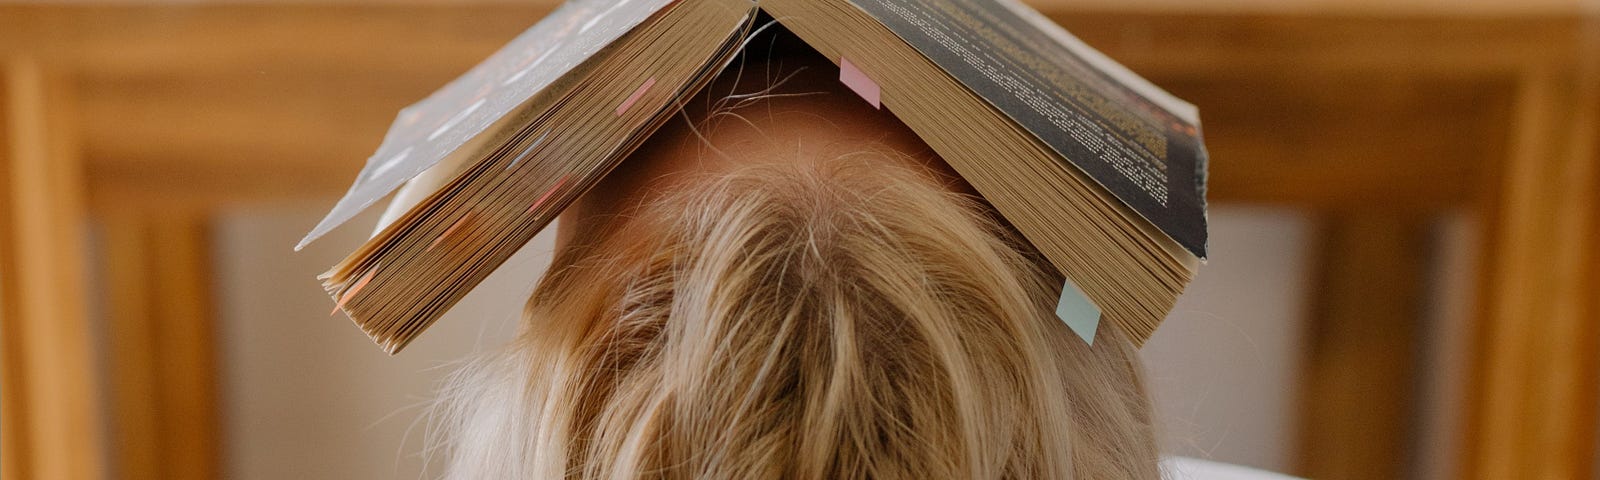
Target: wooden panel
[[1271, 45], [132, 371], [1338, 141], [135, 41], [303, 120], [185, 332], [163, 366], [49, 368], [1362, 358], [1539, 386], [13, 408]]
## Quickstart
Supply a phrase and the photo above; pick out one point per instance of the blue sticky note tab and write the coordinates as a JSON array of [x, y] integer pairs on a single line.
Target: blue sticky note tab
[[1079, 313]]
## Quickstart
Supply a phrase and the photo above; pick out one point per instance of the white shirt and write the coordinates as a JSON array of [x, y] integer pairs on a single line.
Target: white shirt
[[1185, 468]]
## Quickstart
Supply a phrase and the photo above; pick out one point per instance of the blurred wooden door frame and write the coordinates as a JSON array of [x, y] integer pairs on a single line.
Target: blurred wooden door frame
[[161, 359], [1536, 390], [1535, 386], [51, 425], [163, 364], [1518, 117]]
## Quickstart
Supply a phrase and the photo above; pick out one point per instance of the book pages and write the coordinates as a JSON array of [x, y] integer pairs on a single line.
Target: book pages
[[425, 133]]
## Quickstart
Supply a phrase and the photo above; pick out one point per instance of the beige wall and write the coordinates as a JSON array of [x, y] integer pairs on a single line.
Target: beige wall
[[1223, 367], [306, 395]]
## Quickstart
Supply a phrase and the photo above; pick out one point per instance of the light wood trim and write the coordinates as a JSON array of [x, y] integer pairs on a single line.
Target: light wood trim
[[45, 288], [13, 408], [1537, 386], [164, 366]]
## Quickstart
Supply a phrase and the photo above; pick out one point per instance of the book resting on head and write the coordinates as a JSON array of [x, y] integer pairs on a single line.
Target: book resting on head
[[1100, 170]]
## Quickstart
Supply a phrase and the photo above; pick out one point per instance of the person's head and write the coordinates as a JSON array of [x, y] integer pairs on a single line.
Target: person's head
[[787, 283]]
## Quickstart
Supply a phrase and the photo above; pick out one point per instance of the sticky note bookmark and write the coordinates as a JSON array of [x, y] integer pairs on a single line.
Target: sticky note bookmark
[[351, 293], [1078, 312], [637, 94], [543, 198], [852, 76], [459, 222]]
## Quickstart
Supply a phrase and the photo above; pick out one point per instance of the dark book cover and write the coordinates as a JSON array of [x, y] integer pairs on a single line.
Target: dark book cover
[[1137, 141]]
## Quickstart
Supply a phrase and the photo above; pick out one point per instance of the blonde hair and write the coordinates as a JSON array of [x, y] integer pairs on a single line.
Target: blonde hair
[[840, 319]]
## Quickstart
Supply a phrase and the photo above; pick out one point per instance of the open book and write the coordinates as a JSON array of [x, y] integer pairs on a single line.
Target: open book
[[1103, 172]]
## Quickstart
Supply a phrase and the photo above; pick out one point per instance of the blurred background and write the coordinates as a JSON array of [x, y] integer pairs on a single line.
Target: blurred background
[[1403, 280]]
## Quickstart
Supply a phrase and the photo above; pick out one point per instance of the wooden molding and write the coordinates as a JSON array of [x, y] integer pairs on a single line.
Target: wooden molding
[[13, 404], [163, 367], [1358, 390], [49, 369], [1538, 383]]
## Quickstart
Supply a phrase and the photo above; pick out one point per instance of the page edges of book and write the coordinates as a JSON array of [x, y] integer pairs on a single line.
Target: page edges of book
[[377, 179], [703, 70]]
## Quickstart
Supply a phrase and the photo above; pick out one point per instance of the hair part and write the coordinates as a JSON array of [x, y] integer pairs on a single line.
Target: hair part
[[838, 319]]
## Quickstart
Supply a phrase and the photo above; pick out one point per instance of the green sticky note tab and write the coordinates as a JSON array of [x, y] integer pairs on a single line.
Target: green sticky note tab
[[1079, 313]]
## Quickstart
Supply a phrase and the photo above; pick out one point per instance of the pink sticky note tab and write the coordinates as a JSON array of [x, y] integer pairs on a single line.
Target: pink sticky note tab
[[351, 293], [637, 94], [546, 197], [853, 77], [448, 231]]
